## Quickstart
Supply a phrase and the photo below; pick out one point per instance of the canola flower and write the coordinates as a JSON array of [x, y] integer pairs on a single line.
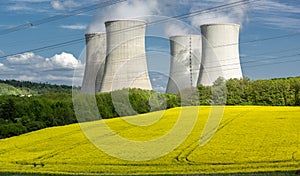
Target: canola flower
[[249, 139]]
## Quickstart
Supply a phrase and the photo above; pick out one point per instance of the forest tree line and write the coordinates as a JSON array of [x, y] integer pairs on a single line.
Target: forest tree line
[[15, 87], [274, 92], [20, 115]]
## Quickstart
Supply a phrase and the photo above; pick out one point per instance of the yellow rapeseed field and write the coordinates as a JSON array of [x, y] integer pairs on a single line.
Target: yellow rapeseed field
[[249, 139]]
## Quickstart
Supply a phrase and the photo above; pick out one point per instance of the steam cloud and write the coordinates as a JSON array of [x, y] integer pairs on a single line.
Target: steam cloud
[[133, 9], [140, 9]]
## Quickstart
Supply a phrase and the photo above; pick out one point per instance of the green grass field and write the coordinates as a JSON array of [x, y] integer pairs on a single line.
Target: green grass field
[[250, 139]]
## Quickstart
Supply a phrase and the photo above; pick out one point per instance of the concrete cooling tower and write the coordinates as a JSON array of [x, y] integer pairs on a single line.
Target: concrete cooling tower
[[95, 62], [126, 65], [220, 53], [185, 62]]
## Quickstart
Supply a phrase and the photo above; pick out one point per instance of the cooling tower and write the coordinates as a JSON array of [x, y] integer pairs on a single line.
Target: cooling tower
[[95, 62], [126, 65], [185, 62], [220, 53]]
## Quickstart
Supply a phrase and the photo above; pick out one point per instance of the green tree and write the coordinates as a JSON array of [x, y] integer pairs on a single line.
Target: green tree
[[204, 94], [8, 110], [295, 84], [218, 91]]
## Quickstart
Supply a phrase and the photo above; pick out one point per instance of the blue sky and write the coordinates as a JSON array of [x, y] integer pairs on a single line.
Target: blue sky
[[258, 20]]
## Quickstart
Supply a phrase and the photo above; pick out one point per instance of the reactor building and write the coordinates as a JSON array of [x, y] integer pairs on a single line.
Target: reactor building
[[95, 62], [126, 65], [220, 53], [185, 62]]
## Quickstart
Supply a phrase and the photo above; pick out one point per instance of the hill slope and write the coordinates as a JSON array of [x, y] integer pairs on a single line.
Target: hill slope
[[6, 89], [249, 139], [14, 87]]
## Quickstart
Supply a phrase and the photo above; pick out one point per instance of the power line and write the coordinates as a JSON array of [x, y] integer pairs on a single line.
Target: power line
[[274, 63], [46, 47], [241, 57], [187, 15], [259, 40], [229, 5], [108, 3], [215, 68], [250, 66], [272, 52], [56, 38], [61, 16], [261, 54], [208, 10], [258, 65], [255, 61], [272, 58], [71, 42]]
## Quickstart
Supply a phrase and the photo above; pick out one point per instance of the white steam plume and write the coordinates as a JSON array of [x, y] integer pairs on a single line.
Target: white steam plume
[[133, 9], [140, 9], [236, 14]]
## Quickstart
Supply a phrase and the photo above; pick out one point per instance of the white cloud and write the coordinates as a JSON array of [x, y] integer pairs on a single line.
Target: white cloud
[[18, 7], [269, 12], [148, 10], [158, 81], [176, 29], [275, 7], [280, 22], [26, 58], [43, 5], [4, 69], [277, 14], [65, 60], [58, 69], [131, 9], [70, 3], [281, 14], [29, 6], [134, 9], [74, 27], [235, 14], [272, 13], [57, 5], [160, 88], [31, 1], [61, 5]]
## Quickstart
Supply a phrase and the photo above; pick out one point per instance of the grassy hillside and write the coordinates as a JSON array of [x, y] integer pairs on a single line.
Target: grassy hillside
[[249, 139], [6, 89], [14, 87]]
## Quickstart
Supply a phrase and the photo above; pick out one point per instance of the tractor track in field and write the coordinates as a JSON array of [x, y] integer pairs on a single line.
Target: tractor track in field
[[50, 154], [55, 153], [37, 142], [182, 157]]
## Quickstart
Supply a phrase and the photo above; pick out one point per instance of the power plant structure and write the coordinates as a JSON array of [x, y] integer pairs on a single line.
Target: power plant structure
[[220, 53], [117, 59], [126, 65], [95, 62], [185, 62]]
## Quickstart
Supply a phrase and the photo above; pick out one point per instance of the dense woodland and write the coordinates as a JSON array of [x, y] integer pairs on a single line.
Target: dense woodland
[[52, 104], [274, 92]]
